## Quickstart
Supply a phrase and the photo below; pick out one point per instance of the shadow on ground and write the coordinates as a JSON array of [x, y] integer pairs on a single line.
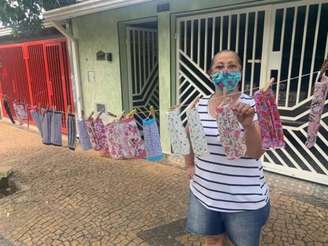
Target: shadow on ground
[[165, 234]]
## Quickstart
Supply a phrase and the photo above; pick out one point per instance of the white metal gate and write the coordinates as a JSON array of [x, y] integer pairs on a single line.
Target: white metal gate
[[274, 41], [296, 51], [200, 37], [143, 70]]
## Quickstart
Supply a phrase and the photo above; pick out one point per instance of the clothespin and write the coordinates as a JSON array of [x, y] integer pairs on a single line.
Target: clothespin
[[54, 109], [122, 115], [68, 110], [175, 107], [151, 111], [225, 98], [267, 85], [195, 101], [131, 113], [92, 113], [111, 114], [324, 67], [100, 113]]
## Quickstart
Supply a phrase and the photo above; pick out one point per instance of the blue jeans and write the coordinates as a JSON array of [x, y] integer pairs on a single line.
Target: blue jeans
[[242, 228]]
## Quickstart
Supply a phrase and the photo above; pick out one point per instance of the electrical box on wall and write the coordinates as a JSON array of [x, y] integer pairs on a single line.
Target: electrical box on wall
[[101, 56], [100, 107], [109, 57]]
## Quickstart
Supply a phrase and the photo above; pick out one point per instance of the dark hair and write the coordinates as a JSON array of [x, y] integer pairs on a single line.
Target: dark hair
[[226, 51]]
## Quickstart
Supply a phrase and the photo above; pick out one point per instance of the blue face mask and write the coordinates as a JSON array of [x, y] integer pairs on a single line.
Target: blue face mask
[[227, 80]]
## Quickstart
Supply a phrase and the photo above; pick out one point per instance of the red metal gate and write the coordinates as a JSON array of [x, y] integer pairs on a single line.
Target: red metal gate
[[37, 73]]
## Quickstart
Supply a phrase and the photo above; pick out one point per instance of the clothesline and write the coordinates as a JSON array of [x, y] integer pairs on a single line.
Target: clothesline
[[255, 88], [29, 106], [225, 96], [230, 95]]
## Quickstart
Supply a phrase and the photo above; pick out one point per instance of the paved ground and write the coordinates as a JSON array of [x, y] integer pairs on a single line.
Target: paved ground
[[79, 198]]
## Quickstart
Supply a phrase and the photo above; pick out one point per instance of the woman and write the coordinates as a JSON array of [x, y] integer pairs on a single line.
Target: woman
[[228, 197]]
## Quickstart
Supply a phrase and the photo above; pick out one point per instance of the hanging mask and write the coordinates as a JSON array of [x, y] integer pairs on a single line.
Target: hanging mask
[[227, 80]]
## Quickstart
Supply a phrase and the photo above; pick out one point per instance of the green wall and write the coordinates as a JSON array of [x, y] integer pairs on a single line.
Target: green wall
[[101, 32]]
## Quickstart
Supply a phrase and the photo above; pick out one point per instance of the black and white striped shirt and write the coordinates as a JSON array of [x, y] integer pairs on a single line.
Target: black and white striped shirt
[[227, 185]]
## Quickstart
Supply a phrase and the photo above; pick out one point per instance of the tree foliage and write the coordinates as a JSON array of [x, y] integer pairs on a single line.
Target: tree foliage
[[25, 16]]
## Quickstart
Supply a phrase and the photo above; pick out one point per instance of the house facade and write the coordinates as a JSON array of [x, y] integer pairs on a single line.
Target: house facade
[[140, 53]]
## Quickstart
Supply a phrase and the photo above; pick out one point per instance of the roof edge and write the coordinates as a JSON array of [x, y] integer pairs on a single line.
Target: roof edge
[[87, 7]]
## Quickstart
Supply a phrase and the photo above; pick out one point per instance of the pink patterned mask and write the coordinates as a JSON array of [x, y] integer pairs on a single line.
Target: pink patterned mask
[[231, 135], [269, 120], [317, 106]]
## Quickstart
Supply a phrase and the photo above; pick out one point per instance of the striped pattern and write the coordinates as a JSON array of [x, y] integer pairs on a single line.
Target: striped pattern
[[303, 44], [222, 184], [295, 155]]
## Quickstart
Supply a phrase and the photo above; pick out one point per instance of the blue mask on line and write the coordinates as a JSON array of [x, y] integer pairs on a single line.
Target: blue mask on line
[[227, 80]]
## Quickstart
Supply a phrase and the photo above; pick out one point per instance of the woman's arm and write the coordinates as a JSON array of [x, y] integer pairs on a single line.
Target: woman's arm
[[189, 160]]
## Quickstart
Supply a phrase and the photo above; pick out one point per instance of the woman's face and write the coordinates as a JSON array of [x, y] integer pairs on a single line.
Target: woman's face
[[225, 62]]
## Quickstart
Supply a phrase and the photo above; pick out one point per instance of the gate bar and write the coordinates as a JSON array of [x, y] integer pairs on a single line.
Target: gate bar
[[213, 35], [198, 43], [314, 49], [237, 34], [205, 50], [281, 48], [62, 70], [253, 53], [192, 40], [245, 52], [229, 31], [291, 54], [28, 74], [46, 65], [221, 31], [302, 55]]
